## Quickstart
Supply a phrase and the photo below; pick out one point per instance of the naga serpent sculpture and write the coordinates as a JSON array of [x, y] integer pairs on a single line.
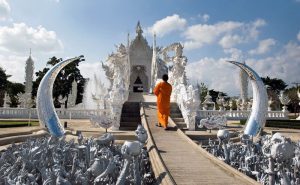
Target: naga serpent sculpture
[[257, 118], [45, 108]]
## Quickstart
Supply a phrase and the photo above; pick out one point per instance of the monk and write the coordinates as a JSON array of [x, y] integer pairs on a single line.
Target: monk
[[163, 92]]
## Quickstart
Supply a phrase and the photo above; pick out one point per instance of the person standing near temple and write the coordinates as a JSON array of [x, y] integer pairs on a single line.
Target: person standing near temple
[[163, 92]]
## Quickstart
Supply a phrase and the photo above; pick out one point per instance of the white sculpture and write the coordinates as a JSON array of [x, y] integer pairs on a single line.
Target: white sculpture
[[208, 104], [46, 111], [119, 72], [62, 100], [257, 118], [213, 122], [6, 100], [270, 102], [221, 102], [185, 96], [285, 100]]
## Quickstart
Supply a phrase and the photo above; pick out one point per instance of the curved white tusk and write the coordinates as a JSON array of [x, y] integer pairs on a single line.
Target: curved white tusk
[[257, 118], [45, 108]]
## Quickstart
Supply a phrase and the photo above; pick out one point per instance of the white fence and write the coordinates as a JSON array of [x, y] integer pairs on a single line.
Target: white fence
[[238, 115], [62, 113], [85, 114]]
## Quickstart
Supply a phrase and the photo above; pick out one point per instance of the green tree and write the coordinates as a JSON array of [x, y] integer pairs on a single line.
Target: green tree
[[214, 94], [275, 84], [202, 90], [13, 89], [3, 84], [294, 100], [63, 83]]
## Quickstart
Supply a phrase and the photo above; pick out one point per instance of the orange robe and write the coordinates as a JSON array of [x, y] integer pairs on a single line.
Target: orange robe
[[163, 92]]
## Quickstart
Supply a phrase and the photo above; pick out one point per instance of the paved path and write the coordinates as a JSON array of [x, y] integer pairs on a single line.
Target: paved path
[[185, 163]]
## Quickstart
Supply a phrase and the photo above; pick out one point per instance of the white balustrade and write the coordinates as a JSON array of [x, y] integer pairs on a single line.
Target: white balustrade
[[62, 113]]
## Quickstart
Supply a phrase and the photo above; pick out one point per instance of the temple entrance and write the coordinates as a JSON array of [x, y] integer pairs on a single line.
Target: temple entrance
[[138, 79], [138, 85]]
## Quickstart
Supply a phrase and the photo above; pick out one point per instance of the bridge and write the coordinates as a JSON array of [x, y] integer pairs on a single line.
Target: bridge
[[176, 159]]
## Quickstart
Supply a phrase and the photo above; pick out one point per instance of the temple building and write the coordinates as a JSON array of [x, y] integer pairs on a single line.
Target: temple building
[[140, 57]]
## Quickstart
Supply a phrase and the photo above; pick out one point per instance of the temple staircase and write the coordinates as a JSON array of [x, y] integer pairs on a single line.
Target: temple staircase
[[176, 116], [130, 117]]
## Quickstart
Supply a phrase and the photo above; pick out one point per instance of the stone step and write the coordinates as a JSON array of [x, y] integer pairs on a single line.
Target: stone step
[[130, 114], [130, 119], [129, 124], [176, 115], [127, 128], [178, 120], [181, 125], [131, 111], [131, 105]]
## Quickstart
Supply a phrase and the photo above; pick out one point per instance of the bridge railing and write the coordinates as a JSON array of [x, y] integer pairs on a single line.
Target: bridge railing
[[23, 113], [238, 114], [85, 113]]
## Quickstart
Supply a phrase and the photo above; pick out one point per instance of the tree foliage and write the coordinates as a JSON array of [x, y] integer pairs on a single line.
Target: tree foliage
[[275, 84], [3, 84], [294, 100], [203, 92], [13, 89], [63, 83], [3, 79]]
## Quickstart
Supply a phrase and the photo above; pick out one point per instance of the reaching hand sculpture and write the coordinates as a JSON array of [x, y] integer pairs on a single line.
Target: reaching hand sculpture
[[46, 111], [257, 117]]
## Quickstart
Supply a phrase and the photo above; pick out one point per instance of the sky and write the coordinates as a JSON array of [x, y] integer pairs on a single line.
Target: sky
[[263, 33]]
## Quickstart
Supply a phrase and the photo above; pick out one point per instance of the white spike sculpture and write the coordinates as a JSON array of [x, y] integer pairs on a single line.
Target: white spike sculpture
[[46, 111], [257, 118]]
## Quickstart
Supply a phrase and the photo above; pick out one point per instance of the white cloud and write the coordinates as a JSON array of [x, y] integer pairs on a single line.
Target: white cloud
[[4, 10], [215, 73], [227, 34], [263, 47], [204, 17], [254, 26], [298, 36], [15, 66], [219, 75], [200, 34], [285, 65], [228, 41], [20, 38], [235, 53], [88, 70], [167, 25]]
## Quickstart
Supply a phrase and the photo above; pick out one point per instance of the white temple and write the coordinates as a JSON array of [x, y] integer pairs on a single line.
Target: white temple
[[140, 58]]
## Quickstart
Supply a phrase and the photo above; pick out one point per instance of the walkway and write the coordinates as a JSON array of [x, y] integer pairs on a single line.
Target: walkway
[[186, 164]]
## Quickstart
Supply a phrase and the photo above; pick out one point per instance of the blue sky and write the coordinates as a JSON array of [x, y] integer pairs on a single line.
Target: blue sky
[[266, 34]]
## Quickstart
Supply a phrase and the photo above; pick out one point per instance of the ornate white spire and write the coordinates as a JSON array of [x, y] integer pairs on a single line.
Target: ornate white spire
[[25, 99], [29, 68], [73, 95], [139, 30]]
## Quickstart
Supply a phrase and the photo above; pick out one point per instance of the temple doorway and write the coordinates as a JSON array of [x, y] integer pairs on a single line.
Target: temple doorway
[[138, 79], [138, 85]]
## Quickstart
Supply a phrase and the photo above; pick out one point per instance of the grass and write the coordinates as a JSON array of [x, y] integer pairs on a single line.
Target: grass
[[279, 123], [16, 123]]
